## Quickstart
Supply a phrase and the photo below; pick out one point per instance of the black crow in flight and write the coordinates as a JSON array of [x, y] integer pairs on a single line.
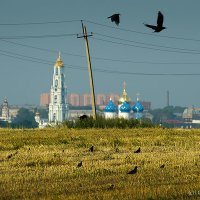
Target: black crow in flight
[[115, 18], [159, 26]]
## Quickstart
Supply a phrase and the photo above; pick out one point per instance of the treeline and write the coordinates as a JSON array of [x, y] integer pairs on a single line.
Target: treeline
[[101, 122], [168, 112], [24, 119]]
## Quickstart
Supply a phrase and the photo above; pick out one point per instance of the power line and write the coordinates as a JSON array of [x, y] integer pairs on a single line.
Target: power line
[[37, 36], [25, 59], [146, 74], [101, 58], [143, 33], [20, 55], [99, 24], [41, 49], [148, 44], [145, 47], [77, 67], [38, 23], [37, 60]]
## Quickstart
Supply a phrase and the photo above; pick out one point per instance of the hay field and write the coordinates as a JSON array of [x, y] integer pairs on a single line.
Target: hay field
[[42, 164]]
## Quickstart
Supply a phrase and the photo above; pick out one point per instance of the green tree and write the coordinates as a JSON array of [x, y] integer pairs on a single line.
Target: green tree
[[25, 118], [165, 113], [42, 111]]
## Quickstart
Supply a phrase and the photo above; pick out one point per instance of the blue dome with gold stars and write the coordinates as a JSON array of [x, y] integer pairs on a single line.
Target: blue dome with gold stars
[[110, 107], [125, 107], [138, 107]]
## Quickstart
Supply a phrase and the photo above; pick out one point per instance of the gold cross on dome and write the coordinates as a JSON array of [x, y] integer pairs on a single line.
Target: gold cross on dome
[[124, 85], [137, 95]]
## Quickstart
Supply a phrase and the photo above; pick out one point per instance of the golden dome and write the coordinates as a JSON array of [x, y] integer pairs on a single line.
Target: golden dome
[[124, 96], [59, 62]]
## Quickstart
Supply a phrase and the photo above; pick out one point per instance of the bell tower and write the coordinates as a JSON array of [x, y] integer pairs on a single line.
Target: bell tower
[[58, 109], [5, 110]]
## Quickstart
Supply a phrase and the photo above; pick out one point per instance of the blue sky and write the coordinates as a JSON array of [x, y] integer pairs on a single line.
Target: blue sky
[[120, 52]]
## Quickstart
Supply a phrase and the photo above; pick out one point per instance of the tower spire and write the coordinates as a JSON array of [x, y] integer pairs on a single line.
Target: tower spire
[[59, 62]]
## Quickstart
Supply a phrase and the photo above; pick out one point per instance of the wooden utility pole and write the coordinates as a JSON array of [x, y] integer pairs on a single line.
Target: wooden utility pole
[[85, 36]]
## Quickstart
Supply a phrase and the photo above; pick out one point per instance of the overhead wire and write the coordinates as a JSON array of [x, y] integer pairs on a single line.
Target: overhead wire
[[144, 47], [41, 49], [143, 33], [101, 58], [99, 24], [147, 44], [39, 23], [36, 36], [191, 51], [181, 50], [77, 67]]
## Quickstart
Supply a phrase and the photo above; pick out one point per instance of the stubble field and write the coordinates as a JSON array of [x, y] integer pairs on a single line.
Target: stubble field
[[42, 164]]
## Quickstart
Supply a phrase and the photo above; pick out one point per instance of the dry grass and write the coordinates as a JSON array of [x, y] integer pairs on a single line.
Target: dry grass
[[44, 162]]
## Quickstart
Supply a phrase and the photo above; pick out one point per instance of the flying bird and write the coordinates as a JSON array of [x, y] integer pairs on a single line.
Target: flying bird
[[134, 171], [138, 150], [80, 164], [159, 26], [115, 18], [91, 149]]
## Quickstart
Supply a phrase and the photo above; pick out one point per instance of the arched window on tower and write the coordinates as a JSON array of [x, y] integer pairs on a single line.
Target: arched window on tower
[[56, 82], [55, 99], [54, 117]]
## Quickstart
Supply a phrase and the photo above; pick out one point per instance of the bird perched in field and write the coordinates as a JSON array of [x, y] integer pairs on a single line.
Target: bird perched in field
[[82, 117], [162, 166], [9, 156], [159, 26], [80, 164], [115, 18], [134, 171], [111, 187], [91, 149], [138, 150], [117, 149]]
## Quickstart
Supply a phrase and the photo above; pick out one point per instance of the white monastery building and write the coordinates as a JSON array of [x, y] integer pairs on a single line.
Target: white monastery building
[[58, 108], [124, 108], [5, 112]]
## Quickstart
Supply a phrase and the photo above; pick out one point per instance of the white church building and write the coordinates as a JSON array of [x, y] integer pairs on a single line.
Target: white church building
[[58, 108]]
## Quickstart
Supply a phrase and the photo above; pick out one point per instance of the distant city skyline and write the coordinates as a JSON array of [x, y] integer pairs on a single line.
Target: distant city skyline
[[75, 99], [33, 32]]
